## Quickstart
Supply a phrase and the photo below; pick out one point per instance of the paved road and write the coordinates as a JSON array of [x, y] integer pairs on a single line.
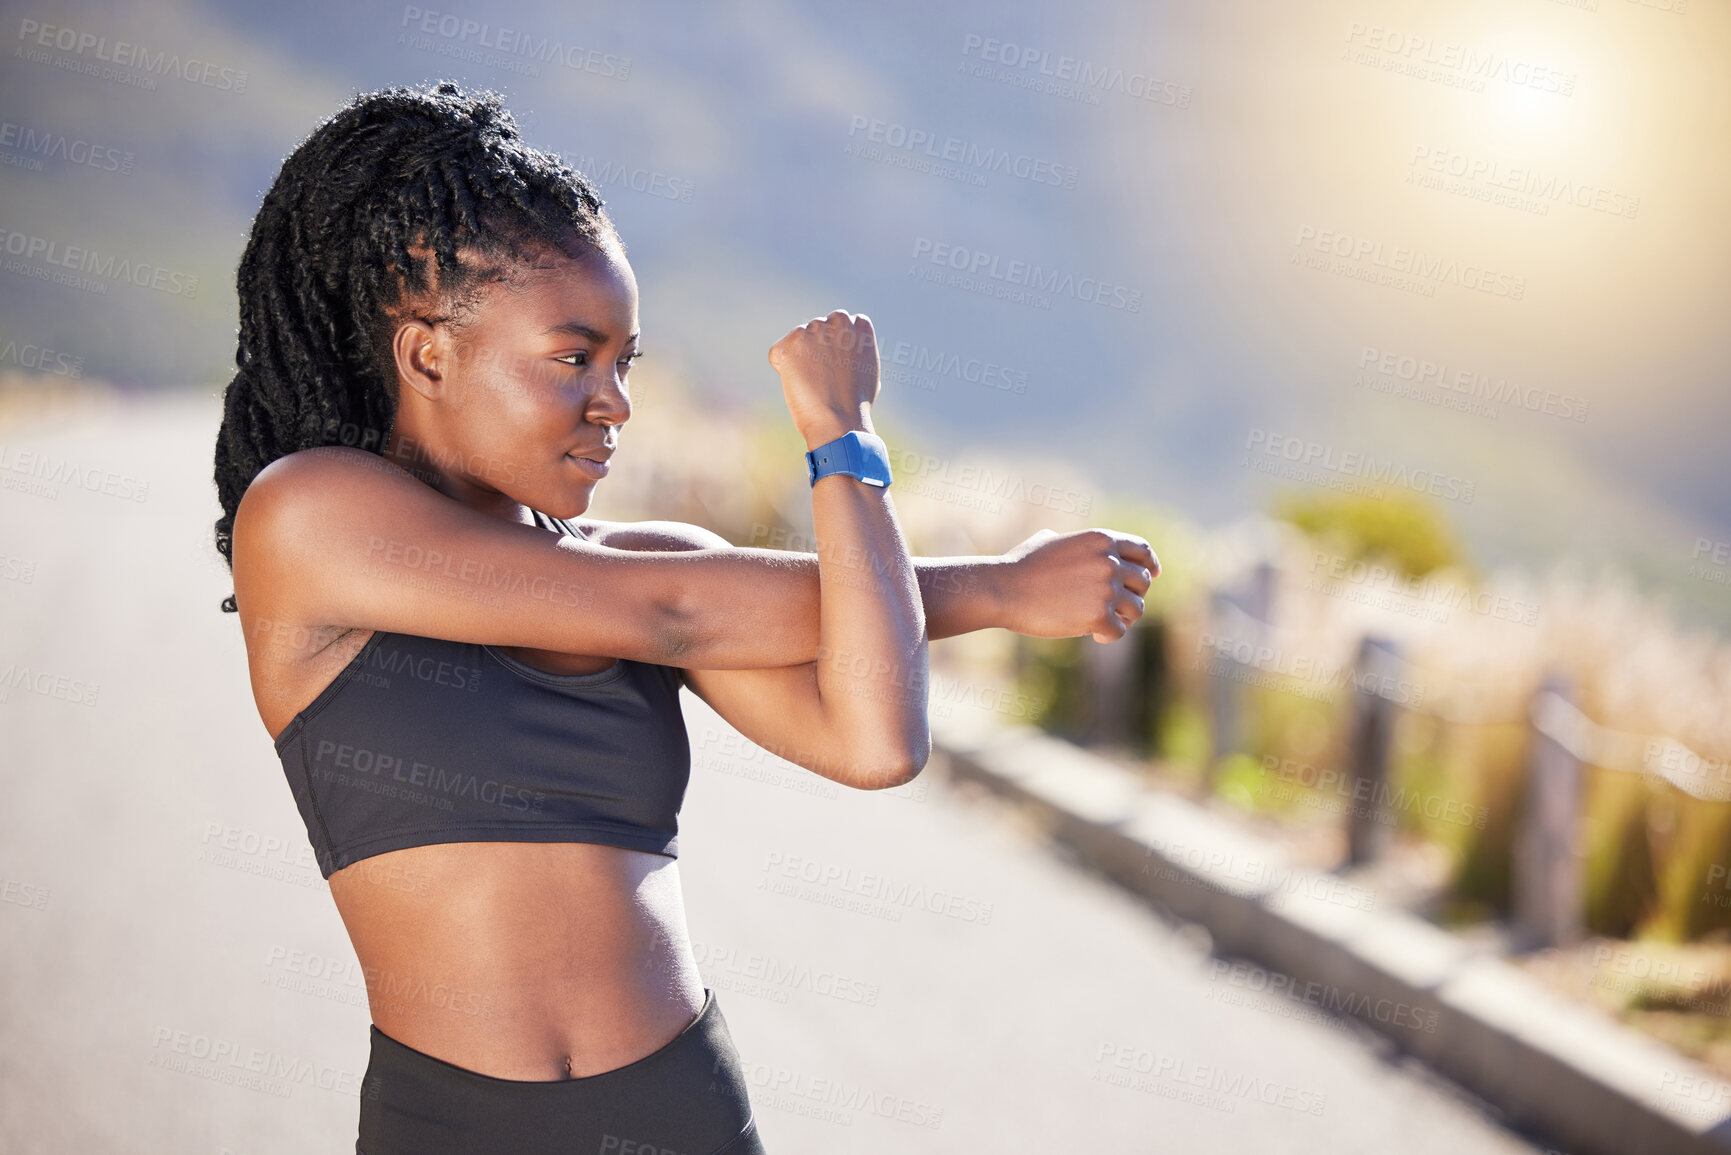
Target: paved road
[[909, 972]]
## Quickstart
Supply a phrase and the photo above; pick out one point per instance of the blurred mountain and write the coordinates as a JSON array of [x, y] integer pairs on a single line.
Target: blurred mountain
[[1241, 174]]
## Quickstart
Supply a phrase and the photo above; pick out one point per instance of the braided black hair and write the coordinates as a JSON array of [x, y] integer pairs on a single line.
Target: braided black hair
[[367, 216]]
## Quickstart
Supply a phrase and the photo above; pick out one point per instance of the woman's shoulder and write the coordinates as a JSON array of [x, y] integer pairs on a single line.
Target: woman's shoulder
[[317, 484], [311, 469], [651, 535]]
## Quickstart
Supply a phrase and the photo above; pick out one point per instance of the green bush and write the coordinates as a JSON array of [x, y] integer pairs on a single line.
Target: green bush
[[1404, 529]]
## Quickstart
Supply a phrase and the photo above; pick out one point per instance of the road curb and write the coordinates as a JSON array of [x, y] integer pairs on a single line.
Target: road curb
[[1595, 1085]]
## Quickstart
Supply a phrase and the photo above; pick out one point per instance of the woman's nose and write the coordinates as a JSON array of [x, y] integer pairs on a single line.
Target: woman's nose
[[612, 401]]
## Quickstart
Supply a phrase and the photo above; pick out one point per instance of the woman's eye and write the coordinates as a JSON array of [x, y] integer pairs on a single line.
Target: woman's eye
[[630, 357], [578, 359]]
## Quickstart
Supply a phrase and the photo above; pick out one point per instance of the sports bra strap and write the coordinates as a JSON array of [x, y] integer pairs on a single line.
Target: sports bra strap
[[558, 525]]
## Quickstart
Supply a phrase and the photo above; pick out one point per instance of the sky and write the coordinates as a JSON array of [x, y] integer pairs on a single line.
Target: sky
[[1206, 253]]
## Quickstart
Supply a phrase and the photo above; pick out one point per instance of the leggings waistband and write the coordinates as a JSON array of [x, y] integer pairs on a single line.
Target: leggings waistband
[[687, 1098]]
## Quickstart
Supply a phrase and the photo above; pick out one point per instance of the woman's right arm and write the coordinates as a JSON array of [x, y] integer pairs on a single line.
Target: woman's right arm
[[332, 539]]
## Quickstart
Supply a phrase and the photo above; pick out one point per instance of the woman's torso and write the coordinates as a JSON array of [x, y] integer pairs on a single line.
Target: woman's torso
[[520, 960]]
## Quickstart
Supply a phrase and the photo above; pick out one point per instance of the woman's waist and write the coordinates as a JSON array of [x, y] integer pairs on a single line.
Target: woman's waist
[[523, 961]]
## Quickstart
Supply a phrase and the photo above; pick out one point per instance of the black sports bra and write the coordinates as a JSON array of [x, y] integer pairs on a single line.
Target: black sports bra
[[420, 740]]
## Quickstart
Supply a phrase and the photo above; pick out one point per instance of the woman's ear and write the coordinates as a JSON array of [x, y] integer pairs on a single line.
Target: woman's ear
[[422, 352]]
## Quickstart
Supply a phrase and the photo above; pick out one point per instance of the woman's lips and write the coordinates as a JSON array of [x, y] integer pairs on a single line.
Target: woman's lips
[[595, 469]]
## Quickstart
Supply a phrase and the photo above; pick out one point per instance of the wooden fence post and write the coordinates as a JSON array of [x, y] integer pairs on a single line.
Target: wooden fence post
[[1375, 670], [1222, 689], [1256, 602], [1548, 883], [1109, 683]]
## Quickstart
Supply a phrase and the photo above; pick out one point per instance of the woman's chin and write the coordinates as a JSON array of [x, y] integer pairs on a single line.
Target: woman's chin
[[573, 502]]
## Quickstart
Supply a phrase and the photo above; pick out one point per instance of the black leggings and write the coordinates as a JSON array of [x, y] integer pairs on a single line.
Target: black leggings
[[688, 1098]]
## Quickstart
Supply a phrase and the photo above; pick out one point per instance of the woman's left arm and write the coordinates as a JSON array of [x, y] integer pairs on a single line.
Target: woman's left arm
[[1050, 586]]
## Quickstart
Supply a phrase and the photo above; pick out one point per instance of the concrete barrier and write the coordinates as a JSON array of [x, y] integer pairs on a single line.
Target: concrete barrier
[[1593, 1084]]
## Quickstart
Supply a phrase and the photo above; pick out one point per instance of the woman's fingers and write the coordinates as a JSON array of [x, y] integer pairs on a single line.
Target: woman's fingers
[[1137, 549], [1135, 577]]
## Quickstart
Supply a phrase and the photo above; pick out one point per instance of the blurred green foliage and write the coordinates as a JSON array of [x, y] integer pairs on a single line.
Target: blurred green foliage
[[1486, 765], [1401, 528], [1241, 780], [1181, 739], [1049, 672], [1693, 899], [1619, 880], [1176, 543], [1655, 859]]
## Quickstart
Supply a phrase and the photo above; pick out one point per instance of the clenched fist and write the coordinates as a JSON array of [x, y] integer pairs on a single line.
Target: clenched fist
[[829, 375], [1064, 585]]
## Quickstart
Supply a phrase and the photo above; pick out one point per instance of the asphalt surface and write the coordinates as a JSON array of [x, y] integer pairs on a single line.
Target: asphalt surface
[[910, 972]]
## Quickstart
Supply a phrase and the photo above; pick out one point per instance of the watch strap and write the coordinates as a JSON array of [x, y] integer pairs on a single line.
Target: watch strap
[[854, 453]]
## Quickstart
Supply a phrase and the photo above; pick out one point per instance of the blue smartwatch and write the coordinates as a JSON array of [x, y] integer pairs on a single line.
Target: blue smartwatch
[[861, 455]]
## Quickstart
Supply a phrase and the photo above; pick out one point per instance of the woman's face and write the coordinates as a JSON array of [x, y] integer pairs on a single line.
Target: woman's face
[[519, 403]]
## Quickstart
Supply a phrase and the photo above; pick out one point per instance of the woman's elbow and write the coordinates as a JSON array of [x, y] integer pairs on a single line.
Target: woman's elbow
[[898, 768]]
